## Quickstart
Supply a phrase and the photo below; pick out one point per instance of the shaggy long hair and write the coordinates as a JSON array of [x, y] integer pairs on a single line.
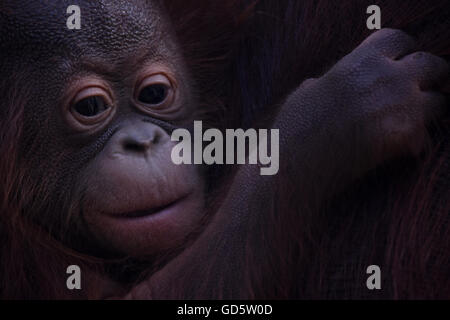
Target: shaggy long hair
[[398, 217], [247, 56]]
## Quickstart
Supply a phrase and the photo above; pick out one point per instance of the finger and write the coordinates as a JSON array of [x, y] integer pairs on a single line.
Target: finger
[[391, 43], [429, 70]]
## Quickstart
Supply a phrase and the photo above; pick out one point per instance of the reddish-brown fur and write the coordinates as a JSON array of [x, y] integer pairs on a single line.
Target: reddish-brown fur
[[398, 216]]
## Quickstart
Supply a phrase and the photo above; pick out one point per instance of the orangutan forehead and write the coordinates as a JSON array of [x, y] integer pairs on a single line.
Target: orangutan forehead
[[111, 24]]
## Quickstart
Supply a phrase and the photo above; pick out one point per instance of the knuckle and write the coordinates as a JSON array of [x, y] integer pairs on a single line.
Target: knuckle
[[419, 55], [386, 32], [389, 41], [399, 35], [428, 58], [403, 36], [379, 35], [427, 62], [396, 35], [424, 58]]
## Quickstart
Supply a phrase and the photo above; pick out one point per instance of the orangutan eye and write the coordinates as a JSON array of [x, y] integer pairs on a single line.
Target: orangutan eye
[[153, 94], [155, 90], [91, 106]]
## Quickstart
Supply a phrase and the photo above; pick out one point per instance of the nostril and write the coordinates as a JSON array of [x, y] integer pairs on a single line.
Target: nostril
[[132, 145]]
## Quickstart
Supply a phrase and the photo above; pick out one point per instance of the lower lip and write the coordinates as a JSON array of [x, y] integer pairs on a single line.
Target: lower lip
[[142, 214]]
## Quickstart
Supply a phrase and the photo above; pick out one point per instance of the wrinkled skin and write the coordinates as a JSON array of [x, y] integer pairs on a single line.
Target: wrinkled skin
[[114, 176]]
